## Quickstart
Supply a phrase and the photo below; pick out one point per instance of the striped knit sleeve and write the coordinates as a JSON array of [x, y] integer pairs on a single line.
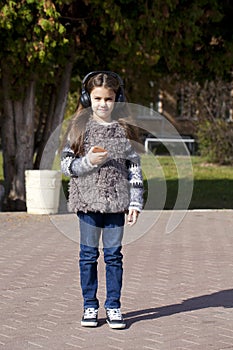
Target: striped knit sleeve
[[72, 165], [135, 179]]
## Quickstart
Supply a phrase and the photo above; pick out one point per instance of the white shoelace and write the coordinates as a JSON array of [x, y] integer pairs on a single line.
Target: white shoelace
[[114, 314], [90, 312]]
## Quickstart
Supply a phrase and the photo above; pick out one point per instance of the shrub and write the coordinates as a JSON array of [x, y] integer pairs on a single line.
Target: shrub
[[215, 139]]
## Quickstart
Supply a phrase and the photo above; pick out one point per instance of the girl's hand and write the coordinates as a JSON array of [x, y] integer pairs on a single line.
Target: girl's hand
[[97, 158], [132, 217]]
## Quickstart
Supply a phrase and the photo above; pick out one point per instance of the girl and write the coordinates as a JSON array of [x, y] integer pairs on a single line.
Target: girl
[[105, 183]]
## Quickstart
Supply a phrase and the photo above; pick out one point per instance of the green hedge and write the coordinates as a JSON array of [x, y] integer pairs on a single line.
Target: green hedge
[[215, 140]]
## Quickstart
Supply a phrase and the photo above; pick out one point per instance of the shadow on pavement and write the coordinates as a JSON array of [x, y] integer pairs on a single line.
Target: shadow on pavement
[[222, 298]]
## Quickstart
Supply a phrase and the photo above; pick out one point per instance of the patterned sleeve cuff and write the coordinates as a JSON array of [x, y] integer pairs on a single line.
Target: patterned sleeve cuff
[[75, 166], [135, 206], [81, 166]]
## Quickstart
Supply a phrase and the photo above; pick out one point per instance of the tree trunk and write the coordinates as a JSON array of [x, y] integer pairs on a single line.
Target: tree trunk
[[17, 142], [18, 135], [50, 139]]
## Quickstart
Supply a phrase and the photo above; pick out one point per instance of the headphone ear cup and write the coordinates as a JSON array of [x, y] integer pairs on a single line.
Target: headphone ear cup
[[120, 96], [85, 99]]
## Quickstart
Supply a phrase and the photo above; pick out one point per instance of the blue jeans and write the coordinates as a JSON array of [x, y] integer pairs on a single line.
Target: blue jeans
[[111, 225]]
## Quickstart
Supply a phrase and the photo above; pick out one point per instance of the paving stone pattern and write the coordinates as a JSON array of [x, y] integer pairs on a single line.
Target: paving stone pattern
[[177, 292]]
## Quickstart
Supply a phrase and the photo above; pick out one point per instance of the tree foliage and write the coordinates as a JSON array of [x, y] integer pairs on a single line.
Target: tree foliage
[[42, 40], [35, 53], [147, 40], [31, 37]]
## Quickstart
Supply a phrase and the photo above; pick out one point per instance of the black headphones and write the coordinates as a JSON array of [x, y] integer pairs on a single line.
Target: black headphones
[[85, 99]]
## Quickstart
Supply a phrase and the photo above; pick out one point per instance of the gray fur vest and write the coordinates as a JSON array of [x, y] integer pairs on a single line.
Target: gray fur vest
[[104, 188]]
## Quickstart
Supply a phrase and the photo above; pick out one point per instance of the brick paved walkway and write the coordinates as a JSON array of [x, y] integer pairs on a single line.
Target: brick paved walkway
[[177, 294]]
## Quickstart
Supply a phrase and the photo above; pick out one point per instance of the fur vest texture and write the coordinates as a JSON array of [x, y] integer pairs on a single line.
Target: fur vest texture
[[104, 188]]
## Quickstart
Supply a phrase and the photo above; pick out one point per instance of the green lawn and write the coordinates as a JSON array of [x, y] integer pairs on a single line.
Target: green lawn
[[212, 184]]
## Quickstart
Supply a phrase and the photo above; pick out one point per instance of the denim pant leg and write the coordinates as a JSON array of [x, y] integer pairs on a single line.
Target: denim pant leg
[[112, 238], [89, 253]]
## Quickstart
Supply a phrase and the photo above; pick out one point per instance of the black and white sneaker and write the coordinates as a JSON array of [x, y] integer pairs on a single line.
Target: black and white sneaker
[[90, 317], [115, 319]]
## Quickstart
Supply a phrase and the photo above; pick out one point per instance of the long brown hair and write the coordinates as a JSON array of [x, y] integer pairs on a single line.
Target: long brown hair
[[76, 130]]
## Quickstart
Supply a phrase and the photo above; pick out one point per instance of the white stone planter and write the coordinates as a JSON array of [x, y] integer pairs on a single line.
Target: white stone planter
[[42, 191]]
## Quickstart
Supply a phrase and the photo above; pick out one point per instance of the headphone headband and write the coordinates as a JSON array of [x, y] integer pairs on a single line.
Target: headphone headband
[[85, 97], [92, 74]]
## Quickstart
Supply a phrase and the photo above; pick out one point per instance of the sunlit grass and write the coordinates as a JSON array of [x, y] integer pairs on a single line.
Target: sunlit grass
[[213, 184]]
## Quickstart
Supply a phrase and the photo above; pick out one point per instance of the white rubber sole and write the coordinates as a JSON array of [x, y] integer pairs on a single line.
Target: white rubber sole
[[89, 324], [116, 325]]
